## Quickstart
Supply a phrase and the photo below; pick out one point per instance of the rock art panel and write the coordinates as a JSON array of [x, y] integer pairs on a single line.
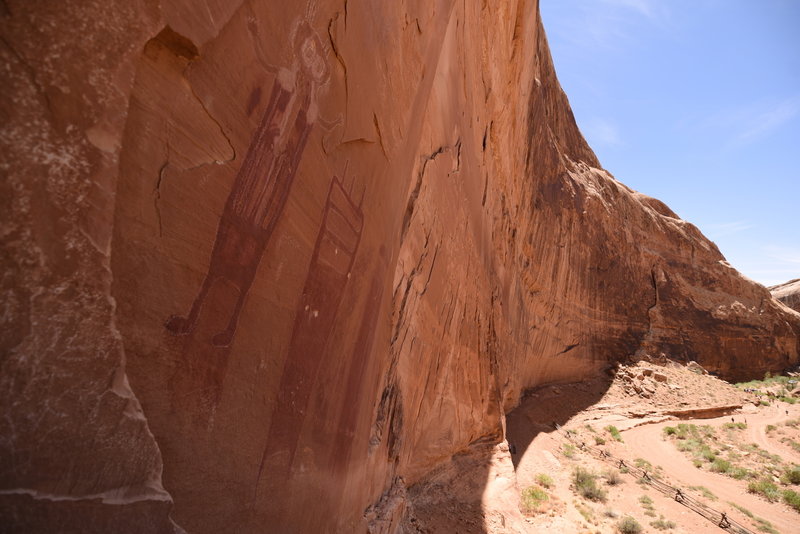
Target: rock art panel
[[254, 205], [330, 270]]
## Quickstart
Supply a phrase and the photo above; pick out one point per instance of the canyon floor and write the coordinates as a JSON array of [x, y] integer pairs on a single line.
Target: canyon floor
[[729, 437], [719, 439]]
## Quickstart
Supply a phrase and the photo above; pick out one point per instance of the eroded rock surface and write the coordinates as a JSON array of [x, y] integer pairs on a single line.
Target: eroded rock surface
[[788, 293], [270, 266]]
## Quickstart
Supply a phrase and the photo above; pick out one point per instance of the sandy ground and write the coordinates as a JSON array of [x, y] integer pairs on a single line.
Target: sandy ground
[[639, 406]]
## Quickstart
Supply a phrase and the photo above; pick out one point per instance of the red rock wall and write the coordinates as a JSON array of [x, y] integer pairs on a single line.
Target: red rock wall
[[267, 265]]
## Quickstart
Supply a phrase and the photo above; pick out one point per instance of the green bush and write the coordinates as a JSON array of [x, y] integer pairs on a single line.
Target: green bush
[[641, 463], [738, 426], [765, 526], [544, 480], [707, 454], [765, 488], [586, 485], [792, 498], [532, 499], [662, 524], [614, 431], [599, 441], [792, 475], [569, 450], [707, 493], [742, 509], [740, 473], [629, 525], [670, 430], [720, 466]]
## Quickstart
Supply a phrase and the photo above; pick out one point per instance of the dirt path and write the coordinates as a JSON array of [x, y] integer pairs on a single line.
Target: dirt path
[[647, 442], [757, 430]]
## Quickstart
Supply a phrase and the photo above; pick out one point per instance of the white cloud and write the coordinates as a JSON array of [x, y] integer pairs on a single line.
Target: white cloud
[[783, 254], [766, 121], [752, 121]]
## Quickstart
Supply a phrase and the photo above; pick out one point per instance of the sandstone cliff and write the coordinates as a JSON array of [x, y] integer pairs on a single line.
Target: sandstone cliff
[[268, 265], [788, 293]]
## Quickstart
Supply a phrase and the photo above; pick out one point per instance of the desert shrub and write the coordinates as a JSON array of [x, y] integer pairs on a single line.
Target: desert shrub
[[641, 463], [770, 428], [742, 509], [740, 473], [569, 450], [614, 431], [705, 492], [647, 504], [586, 485], [670, 430], [720, 466], [764, 488], [792, 498], [544, 480], [736, 426], [708, 431], [792, 475], [532, 499], [612, 477], [707, 454], [586, 513], [599, 441], [629, 525], [765, 526], [662, 524]]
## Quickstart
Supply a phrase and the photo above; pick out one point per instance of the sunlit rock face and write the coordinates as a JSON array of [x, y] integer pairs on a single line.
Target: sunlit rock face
[[788, 293], [268, 265]]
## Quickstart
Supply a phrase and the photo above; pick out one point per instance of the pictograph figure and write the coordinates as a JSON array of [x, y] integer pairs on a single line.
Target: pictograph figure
[[330, 269], [262, 184]]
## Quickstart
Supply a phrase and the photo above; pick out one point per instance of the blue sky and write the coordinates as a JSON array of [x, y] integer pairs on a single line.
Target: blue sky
[[697, 103]]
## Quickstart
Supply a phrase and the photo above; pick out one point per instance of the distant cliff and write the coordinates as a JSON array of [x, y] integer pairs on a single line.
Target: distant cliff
[[266, 265], [788, 293]]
